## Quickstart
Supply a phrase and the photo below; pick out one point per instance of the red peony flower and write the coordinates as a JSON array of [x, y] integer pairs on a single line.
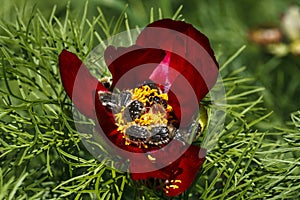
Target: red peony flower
[[160, 82]]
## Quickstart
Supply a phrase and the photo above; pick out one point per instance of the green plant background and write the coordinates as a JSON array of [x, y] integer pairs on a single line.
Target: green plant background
[[41, 156]]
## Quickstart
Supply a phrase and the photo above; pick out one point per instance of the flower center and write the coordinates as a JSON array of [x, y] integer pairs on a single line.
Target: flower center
[[142, 114]]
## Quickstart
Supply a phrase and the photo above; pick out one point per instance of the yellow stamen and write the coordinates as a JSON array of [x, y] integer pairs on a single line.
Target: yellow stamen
[[127, 142], [145, 119], [145, 91], [119, 118], [174, 186], [151, 158], [176, 181], [164, 96], [169, 108]]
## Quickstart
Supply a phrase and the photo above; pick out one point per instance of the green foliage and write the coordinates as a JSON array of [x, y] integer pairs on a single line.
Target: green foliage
[[41, 153]]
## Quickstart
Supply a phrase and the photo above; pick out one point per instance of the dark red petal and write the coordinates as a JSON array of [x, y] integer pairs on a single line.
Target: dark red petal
[[159, 38], [190, 54], [133, 65], [149, 164], [180, 173], [79, 84], [188, 167]]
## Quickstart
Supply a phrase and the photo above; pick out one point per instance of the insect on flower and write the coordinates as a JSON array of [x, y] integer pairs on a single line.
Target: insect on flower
[[149, 111], [141, 114]]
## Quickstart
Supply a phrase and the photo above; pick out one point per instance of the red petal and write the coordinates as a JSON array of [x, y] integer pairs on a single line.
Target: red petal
[[165, 39], [133, 65], [142, 167], [180, 173], [188, 167], [190, 54], [79, 84]]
